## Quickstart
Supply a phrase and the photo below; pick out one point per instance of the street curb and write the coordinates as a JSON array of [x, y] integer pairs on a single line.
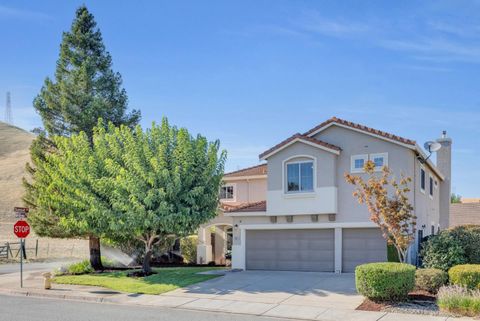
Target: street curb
[[28, 293]]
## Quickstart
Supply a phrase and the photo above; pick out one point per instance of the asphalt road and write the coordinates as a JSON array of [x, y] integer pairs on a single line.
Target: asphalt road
[[35, 266], [16, 308]]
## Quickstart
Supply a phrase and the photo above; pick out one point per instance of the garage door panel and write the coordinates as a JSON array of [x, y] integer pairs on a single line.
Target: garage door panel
[[290, 250], [362, 245]]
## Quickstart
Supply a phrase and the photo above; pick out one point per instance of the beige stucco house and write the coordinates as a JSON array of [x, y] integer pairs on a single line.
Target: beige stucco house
[[296, 212]]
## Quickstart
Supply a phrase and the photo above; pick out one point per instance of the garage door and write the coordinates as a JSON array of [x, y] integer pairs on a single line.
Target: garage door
[[362, 245], [290, 250]]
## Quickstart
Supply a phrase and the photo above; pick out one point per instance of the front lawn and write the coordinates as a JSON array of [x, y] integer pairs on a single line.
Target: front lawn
[[166, 279]]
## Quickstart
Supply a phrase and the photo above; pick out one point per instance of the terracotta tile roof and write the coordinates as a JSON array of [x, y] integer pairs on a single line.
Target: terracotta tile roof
[[464, 213], [249, 207], [249, 171], [361, 127], [302, 137]]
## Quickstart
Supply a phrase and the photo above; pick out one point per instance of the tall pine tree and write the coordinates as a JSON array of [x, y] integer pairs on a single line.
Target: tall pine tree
[[85, 89]]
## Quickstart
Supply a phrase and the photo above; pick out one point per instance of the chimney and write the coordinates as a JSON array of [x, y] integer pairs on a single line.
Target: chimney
[[444, 164]]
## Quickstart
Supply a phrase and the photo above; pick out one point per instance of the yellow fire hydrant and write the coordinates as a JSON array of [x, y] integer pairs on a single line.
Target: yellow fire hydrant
[[47, 280]]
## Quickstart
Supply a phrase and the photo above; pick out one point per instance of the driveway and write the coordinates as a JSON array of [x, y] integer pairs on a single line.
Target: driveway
[[275, 293]]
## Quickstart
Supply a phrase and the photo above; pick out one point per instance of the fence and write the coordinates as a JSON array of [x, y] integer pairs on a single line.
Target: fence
[[45, 248], [13, 249]]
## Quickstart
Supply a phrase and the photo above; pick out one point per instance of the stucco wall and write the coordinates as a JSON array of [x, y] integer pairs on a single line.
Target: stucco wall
[[400, 160], [325, 165], [247, 190], [427, 209]]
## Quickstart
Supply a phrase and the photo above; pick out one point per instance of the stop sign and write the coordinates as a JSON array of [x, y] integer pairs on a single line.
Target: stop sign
[[21, 229]]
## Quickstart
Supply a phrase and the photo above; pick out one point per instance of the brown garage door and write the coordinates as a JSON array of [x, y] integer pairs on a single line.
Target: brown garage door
[[290, 250], [362, 245]]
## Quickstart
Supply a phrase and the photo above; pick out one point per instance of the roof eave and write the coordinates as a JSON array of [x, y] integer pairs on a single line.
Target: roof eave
[[293, 141]]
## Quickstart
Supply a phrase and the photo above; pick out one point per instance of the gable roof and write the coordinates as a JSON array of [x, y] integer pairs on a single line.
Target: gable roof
[[249, 171], [368, 130], [300, 138], [405, 142], [464, 214]]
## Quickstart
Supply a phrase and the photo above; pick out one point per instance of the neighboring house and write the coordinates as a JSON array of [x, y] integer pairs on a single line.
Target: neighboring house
[[297, 212], [241, 189], [470, 200], [464, 214]]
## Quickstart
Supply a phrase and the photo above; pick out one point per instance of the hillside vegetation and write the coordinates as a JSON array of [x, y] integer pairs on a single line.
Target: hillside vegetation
[[14, 154]]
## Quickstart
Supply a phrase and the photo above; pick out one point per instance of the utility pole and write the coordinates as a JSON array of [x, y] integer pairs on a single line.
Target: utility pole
[[8, 110]]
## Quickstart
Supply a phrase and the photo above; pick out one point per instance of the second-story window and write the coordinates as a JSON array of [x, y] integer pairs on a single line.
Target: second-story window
[[422, 180], [300, 177], [430, 187], [226, 192]]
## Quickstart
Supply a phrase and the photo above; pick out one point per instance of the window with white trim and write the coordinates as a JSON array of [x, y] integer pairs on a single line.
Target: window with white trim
[[357, 162], [300, 177], [226, 192], [380, 160], [422, 180]]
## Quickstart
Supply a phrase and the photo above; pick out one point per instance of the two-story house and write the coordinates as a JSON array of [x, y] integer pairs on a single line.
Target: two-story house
[[296, 212]]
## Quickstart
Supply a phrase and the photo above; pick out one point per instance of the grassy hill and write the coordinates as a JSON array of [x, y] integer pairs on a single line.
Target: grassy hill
[[14, 154]]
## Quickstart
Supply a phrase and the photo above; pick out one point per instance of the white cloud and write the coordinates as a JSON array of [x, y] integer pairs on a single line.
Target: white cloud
[[312, 21], [14, 13]]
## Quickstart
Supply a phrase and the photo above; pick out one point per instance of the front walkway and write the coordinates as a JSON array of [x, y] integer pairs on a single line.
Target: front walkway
[[295, 295]]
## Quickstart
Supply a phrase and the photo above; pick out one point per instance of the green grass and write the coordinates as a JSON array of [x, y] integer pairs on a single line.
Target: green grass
[[166, 279]]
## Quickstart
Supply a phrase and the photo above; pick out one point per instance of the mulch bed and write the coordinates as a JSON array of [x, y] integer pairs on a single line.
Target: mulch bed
[[419, 302]]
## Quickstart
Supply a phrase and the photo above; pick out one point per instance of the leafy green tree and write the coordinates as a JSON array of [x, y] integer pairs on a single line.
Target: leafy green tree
[[132, 184], [455, 198], [161, 182], [84, 89]]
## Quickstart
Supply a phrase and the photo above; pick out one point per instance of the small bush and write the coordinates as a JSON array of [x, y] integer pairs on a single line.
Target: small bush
[[467, 275], [459, 245], [430, 279], [459, 300], [385, 281], [188, 247], [392, 254], [82, 267]]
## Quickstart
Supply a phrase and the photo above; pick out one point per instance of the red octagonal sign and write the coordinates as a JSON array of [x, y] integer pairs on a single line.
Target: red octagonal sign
[[21, 229]]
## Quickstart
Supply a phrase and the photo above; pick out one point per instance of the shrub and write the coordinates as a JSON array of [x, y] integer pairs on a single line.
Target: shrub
[[188, 247], [385, 281], [467, 275], [392, 254], [459, 300], [82, 267], [459, 245], [430, 279]]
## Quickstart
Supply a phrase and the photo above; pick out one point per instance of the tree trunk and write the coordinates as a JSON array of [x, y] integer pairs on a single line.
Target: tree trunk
[[147, 270], [95, 258]]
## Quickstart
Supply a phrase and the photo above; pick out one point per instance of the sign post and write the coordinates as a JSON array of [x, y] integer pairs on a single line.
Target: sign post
[[21, 230]]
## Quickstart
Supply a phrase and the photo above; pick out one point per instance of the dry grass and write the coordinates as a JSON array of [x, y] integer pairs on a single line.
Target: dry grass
[[14, 154]]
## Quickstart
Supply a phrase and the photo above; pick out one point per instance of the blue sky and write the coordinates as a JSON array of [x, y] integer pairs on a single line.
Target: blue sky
[[252, 73]]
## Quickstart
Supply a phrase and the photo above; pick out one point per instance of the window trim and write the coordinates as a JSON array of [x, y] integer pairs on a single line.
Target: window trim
[[290, 160], [234, 199], [422, 168], [352, 162], [385, 160]]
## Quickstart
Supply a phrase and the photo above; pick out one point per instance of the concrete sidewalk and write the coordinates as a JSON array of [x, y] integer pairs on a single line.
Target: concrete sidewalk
[[274, 304]]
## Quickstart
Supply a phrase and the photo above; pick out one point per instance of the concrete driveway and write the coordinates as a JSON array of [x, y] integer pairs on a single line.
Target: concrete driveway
[[275, 293]]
